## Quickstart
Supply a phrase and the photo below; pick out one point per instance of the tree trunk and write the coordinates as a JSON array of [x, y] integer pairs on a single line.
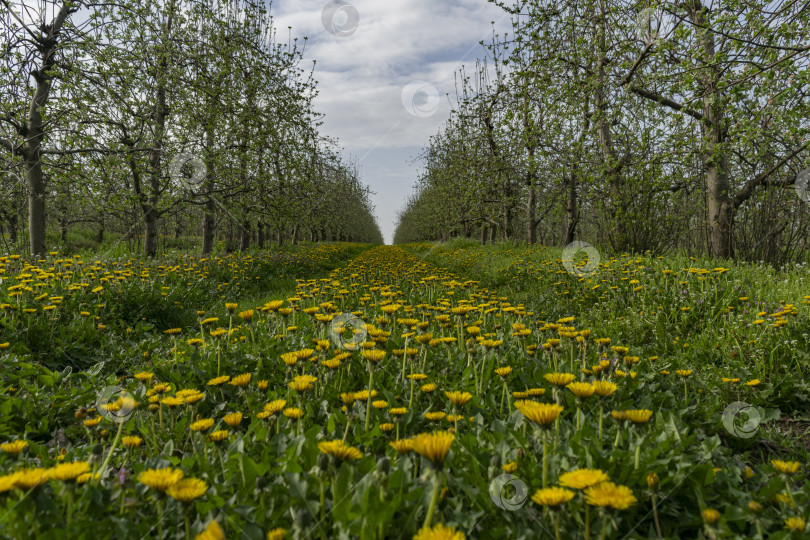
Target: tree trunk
[[715, 160], [12, 227], [150, 241], [571, 209], [260, 235], [572, 202], [493, 233], [609, 156], [244, 242], [484, 232], [32, 151], [36, 207], [531, 215]]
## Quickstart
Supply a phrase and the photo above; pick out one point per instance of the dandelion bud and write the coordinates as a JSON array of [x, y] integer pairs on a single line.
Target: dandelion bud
[[652, 479]]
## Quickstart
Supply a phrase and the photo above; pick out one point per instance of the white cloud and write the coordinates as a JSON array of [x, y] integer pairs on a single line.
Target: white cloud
[[362, 77]]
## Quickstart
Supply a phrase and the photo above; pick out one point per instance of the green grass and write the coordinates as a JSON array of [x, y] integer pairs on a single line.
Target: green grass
[[719, 341]]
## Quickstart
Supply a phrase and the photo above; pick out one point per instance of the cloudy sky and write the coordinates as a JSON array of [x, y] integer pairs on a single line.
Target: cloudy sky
[[384, 69]]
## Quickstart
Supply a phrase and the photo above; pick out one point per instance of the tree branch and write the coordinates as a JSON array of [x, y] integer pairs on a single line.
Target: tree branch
[[748, 189]]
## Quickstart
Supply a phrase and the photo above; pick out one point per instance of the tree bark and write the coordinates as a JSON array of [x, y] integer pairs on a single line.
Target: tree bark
[[209, 209], [31, 152], [611, 161], [150, 241], [715, 160], [12, 227], [149, 202], [244, 243]]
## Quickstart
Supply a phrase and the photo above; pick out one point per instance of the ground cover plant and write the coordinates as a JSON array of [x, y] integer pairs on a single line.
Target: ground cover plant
[[395, 398]]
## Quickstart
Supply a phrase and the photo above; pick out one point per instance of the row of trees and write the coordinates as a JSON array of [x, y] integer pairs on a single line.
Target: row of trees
[[183, 117], [678, 124]]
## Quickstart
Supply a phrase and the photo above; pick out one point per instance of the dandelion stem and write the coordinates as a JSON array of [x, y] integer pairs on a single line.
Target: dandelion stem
[[370, 383], [587, 522], [545, 459], [348, 423], [110, 453], [655, 517], [434, 498], [557, 525], [789, 493], [159, 504]]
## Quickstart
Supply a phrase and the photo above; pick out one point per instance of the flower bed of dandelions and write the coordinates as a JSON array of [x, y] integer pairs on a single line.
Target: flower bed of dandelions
[[390, 399]]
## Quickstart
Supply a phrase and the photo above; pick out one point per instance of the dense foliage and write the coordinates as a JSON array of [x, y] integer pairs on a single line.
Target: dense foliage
[[173, 118], [643, 126]]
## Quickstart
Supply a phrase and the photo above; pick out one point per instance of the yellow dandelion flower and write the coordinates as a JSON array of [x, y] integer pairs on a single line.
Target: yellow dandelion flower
[[439, 532], [638, 416], [542, 414], [276, 406], [293, 412], [710, 515], [553, 496], [160, 479], [30, 478], [559, 379], [433, 446], [241, 380], [339, 450], [218, 436], [795, 523], [605, 388], [786, 467], [581, 389], [277, 534], [402, 446], [583, 478], [69, 471], [15, 447], [458, 398], [187, 490], [608, 494], [212, 532], [373, 355]]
